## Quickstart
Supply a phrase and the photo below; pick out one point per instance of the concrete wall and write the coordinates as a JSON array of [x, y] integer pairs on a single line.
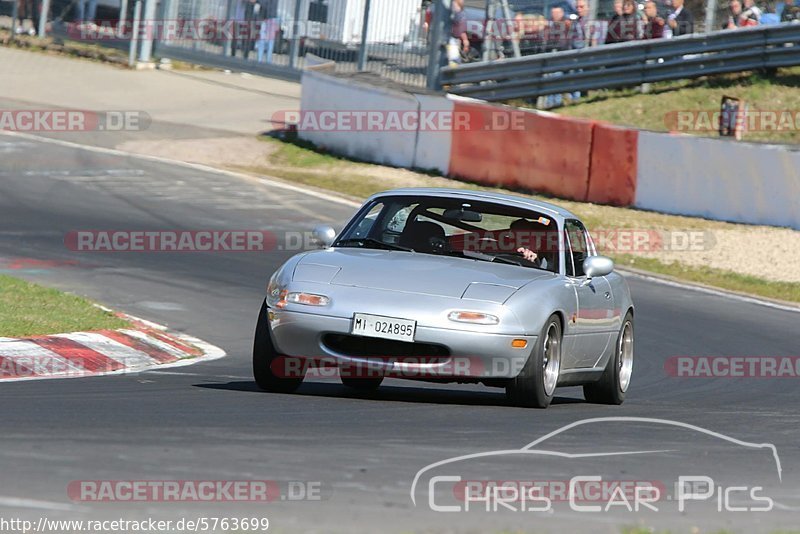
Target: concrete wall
[[718, 179]]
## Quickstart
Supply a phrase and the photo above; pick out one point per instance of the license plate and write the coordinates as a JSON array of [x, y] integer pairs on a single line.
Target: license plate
[[384, 327]]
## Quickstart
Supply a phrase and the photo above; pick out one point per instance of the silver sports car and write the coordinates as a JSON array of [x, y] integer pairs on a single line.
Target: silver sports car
[[451, 286]]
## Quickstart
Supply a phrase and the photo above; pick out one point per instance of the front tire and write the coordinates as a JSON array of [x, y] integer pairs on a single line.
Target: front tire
[[362, 384], [613, 385], [535, 386], [360, 378], [266, 358]]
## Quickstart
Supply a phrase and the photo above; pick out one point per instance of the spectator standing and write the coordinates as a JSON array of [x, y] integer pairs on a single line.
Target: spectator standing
[[268, 33], [623, 28], [737, 18], [557, 33], [252, 17], [680, 21], [459, 40], [618, 7], [87, 11], [791, 12], [734, 15], [556, 40], [238, 25], [751, 13], [28, 9], [531, 30], [654, 25], [580, 32]]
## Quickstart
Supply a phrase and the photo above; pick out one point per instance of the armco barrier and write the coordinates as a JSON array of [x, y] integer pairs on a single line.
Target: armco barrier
[[613, 167], [515, 148], [717, 179]]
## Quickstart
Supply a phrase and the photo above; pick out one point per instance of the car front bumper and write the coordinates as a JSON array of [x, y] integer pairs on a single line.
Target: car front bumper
[[469, 355]]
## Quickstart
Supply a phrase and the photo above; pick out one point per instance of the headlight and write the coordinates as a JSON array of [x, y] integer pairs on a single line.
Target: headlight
[[273, 291], [472, 317]]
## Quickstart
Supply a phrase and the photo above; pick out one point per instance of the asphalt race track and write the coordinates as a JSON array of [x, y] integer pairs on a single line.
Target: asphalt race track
[[209, 422]]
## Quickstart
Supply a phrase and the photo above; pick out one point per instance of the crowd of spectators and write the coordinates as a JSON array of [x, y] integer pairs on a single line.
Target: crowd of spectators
[[567, 26]]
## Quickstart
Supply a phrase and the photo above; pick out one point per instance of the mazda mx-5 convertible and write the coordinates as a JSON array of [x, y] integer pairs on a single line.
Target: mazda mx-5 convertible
[[451, 286]]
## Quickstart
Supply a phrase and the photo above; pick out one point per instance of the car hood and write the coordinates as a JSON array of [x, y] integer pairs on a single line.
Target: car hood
[[415, 273]]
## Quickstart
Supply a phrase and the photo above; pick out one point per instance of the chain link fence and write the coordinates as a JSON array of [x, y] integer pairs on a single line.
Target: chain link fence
[[391, 42]]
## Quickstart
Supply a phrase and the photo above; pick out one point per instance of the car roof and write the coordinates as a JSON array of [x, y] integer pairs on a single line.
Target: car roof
[[557, 212]]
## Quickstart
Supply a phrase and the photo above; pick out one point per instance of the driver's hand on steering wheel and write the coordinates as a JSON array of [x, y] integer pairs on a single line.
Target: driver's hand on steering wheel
[[527, 253]]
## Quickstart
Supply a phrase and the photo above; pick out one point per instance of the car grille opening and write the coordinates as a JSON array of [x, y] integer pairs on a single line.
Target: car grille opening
[[369, 347]]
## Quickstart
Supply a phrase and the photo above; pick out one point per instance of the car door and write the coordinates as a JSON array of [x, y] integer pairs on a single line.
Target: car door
[[593, 321]]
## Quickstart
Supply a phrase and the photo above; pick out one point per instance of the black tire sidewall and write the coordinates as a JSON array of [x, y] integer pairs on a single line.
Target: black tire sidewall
[[264, 354], [607, 389], [527, 389]]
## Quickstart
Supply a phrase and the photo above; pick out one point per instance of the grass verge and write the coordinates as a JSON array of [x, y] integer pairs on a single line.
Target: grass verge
[[302, 163], [28, 309], [65, 48], [90, 51]]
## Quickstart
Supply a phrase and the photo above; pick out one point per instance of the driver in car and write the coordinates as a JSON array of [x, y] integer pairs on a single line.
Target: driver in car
[[529, 234]]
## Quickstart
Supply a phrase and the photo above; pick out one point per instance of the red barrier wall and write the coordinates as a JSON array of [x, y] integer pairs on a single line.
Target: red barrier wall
[[612, 174], [504, 146]]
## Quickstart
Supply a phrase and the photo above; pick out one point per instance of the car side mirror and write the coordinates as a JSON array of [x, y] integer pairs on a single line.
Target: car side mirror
[[597, 266], [324, 235]]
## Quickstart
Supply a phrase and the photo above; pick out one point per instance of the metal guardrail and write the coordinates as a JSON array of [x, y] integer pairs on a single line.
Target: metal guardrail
[[628, 64]]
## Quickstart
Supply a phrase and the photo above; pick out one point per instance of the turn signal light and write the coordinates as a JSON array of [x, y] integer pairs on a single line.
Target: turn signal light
[[472, 317], [519, 343], [282, 299], [308, 299]]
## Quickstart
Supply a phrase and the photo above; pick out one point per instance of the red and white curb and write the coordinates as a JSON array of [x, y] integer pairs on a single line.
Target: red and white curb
[[142, 347]]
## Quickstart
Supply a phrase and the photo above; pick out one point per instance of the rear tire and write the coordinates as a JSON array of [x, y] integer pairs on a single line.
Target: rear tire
[[264, 358], [535, 385], [613, 385]]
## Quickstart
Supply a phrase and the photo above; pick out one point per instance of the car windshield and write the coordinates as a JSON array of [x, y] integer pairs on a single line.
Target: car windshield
[[474, 230]]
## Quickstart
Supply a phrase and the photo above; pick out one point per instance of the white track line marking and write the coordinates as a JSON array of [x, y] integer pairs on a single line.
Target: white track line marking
[[711, 291], [196, 166], [14, 502]]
